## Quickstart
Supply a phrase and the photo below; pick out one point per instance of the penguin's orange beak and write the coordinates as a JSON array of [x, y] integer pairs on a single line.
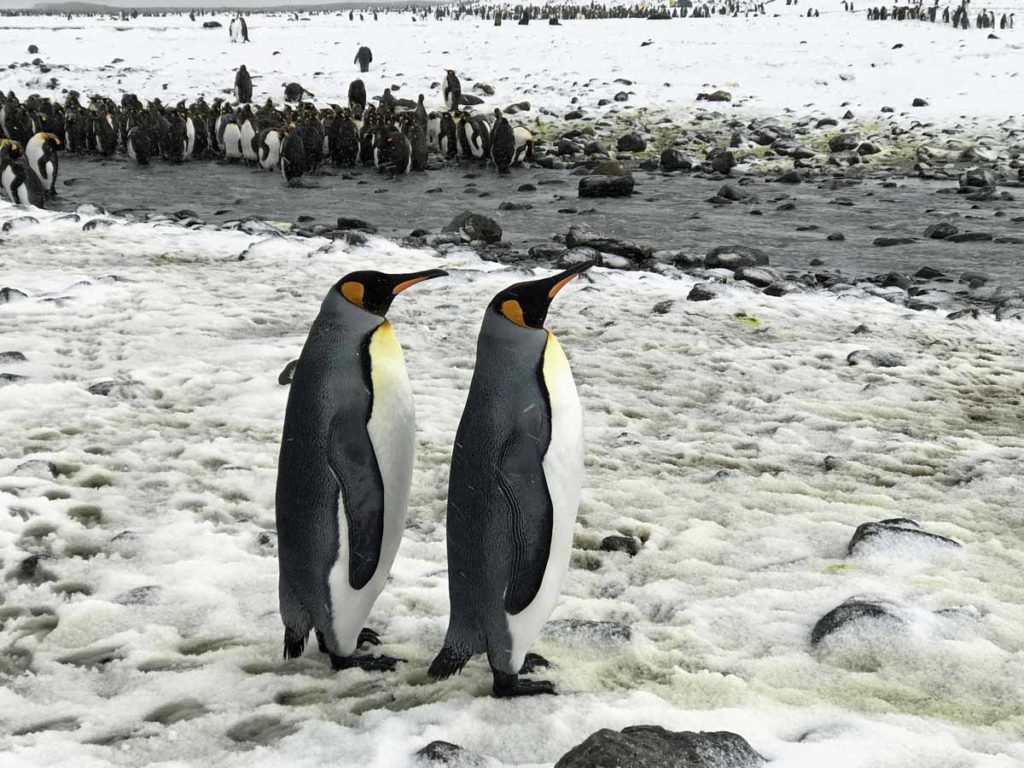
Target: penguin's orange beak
[[416, 277], [55, 138]]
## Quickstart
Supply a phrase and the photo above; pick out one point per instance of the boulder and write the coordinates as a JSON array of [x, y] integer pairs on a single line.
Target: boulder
[[977, 178], [844, 142], [940, 231], [606, 186], [628, 544], [651, 746], [733, 256], [475, 226], [346, 223], [722, 160], [919, 102], [704, 292], [898, 535], [715, 96], [887, 242], [674, 160], [631, 142], [758, 276], [857, 615], [444, 753], [876, 359], [582, 236]]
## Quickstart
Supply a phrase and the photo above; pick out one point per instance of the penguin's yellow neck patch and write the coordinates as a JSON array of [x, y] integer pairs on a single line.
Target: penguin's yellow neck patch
[[513, 311], [354, 292]]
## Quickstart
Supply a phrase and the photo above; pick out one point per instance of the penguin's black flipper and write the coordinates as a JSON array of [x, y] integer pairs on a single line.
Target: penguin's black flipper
[[362, 492], [530, 514], [507, 686], [365, 663], [448, 662], [295, 642]]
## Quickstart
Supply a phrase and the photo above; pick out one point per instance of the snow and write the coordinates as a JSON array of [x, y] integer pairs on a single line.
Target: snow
[[770, 64], [706, 429]]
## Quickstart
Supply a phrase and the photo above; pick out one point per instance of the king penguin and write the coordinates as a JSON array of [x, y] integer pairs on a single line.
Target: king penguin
[[21, 185], [345, 469], [41, 153], [514, 488]]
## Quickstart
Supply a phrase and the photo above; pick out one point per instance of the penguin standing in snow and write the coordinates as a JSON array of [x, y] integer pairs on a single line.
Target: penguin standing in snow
[[364, 56], [503, 143], [345, 469], [235, 29], [21, 185], [357, 97], [293, 156], [243, 85], [474, 137], [41, 153], [514, 488], [452, 91]]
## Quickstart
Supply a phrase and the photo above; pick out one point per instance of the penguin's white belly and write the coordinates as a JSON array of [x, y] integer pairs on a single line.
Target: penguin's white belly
[[190, 138], [7, 182], [247, 135], [232, 142], [392, 428], [563, 473]]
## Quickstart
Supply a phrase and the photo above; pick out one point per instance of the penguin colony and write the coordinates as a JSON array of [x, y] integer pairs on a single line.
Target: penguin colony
[[345, 473], [397, 136]]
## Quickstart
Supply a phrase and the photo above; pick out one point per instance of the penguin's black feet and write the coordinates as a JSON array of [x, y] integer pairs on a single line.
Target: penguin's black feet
[[368, 636], [366, 663], [533, 662], [508, 686], [320, 642]]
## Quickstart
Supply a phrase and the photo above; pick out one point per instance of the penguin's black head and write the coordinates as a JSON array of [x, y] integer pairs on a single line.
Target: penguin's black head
[[526, 304], [374, 291]]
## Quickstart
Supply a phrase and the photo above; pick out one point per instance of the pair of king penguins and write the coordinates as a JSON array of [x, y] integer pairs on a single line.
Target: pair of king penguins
[[345, 472], [29, 175]]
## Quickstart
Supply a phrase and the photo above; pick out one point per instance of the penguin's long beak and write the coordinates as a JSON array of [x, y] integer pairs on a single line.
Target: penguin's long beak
[[562, 279], [55, 138], [412, 278]]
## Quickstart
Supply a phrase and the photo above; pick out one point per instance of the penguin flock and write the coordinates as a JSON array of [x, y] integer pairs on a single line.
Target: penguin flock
[[397, 136], [345, 474], [959, 17]]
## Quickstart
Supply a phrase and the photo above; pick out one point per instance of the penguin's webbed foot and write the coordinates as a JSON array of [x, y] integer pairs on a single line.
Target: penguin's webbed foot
[[368, 636], [508, 686], [366, 663], [533, 662]]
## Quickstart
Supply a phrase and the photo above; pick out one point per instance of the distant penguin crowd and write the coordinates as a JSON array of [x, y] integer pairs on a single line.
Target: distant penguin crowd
[[959, 17], [296, 138]]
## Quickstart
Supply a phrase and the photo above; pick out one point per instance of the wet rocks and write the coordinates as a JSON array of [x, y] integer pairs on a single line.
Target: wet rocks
[[582, 236], [651, 746], [734, 256], [444, 753], [628, 544], [631, 142], [888, 242], [758, 276], [899, 535], [844, 142], [475, 226], [606, 186], [940, 231], [715, 96], [721, 160], [857, 615], [974, 179], [704, 292], [674, 160], [876, 359], [969, 237], [346, 223]]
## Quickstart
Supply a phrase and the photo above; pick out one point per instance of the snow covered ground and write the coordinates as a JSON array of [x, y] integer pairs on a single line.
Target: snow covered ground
[[823, 65], [147, 632]]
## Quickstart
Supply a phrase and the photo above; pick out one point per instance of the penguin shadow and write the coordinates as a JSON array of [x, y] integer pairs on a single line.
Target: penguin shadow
[[300, 184]]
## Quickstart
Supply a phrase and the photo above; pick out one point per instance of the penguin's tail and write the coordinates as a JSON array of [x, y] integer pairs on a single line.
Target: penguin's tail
[[449, 661], [294, 642]]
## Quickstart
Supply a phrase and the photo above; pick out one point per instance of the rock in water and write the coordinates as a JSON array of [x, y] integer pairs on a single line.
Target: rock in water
[[940, 231], [475, 226], [650, 746], [674, 160], [844, 142], [582, 236], [444, 753], [606, 186], [857, 614], [976, 178], [631, 142], [733, 256], [897, 535]]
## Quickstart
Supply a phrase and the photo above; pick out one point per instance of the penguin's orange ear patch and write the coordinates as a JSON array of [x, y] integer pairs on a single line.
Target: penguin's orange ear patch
[[353, 291], [513, 311]]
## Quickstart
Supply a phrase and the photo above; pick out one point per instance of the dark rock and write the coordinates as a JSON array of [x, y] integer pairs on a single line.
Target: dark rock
[[574, 115], [631, 142], [732, 194], [789, 177], [621, 96], [674, 160], [628, 544], [976, 178], [826, 122], [609, 168], [286, 375], [651, 746], [346, 223], [509, 206], [969, 237], [894, 532], [929, 273], [715, 96], [704, 292], [855, 612], [475, 226], [211, 25], [582, 236], [836, 237], [940, 231], [722, 160], [606, 186], [12, 356], [758, 276], [844, 159], [867, 148], [895, 279], [8, 295], [844, 142], [444, 753], [877, 359], [733, 256], [782, 288], [663, 307], [919, 102], [885, 242]]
